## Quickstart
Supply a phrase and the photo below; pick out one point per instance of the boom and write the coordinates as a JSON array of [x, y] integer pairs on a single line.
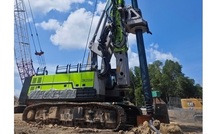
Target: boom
[[22, 45]]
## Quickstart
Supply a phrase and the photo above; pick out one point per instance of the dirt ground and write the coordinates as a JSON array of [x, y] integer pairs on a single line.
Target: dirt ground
[[21, 127], [188, 127]]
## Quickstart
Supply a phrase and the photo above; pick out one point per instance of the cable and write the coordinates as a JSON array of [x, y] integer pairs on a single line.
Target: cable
[[31, 32], [39, 54], [89, 31], [34, 25]]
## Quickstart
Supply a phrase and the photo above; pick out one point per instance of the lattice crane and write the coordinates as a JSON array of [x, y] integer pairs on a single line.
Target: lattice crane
[[22, 46], [21, 42]]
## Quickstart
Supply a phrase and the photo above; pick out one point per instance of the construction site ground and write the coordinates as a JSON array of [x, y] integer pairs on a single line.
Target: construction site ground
[[188, 125]]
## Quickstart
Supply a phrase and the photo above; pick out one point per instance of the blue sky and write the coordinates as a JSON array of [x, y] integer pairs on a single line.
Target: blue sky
[[63, 29]]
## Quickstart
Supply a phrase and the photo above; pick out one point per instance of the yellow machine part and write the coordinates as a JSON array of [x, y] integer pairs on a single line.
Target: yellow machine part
[[192, 103]]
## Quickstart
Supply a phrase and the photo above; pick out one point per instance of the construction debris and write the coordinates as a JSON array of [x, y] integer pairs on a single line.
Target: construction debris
[[156, 127]]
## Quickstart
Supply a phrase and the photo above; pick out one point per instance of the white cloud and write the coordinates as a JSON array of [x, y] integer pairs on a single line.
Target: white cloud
[[90, 2], [133, 58], [154, 54], [100, 7], [131, 39], [52, 24], [74, 31], [45, 6]]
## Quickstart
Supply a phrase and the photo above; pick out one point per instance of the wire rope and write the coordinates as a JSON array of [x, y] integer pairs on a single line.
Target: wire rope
[[89, 32], [39, 54]]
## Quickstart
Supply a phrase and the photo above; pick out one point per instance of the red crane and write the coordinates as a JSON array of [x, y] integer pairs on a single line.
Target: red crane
[[21, 42], [22, 46]]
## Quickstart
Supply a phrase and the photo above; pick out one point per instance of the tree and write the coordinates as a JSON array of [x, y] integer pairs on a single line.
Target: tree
[[167, 78], [137, 84], [131, 94], [155, 74], [187, 86], [199, 91], [171, 71], [139, 96]]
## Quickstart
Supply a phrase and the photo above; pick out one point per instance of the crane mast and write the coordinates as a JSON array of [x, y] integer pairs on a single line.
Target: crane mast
[[21, 42]]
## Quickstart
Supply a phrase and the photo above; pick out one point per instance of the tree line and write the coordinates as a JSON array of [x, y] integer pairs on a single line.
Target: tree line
[[167, 78]]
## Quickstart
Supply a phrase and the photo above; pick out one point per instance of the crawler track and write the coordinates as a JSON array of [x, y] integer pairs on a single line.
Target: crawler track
[[90, 115]]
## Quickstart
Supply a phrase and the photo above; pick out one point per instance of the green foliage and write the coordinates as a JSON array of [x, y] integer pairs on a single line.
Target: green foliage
[[167, 78], [155, 74], [137, 86], [199, 91], [139, 97]]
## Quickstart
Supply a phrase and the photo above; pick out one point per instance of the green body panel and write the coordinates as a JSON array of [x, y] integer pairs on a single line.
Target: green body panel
[[62, 77], [62, 81], [48, 78]]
